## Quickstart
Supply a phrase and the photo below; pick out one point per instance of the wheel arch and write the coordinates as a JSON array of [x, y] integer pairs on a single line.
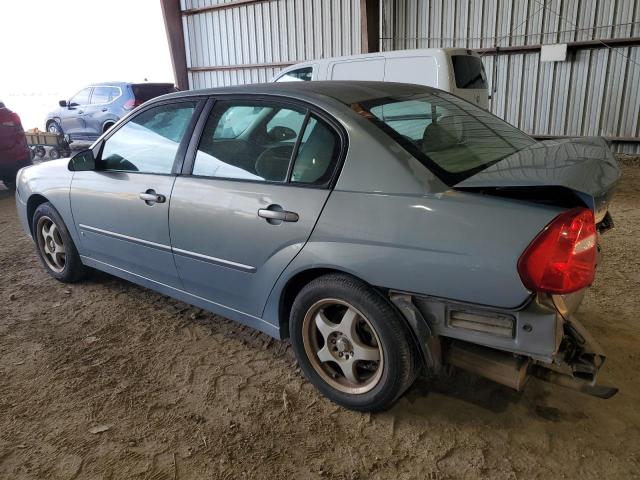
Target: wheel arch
[[291, 289], [52, 120], [298, 281], [33, 203], [108, 124]]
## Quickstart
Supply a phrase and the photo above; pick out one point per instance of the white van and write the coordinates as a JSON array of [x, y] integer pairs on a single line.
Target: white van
[[455, 70]]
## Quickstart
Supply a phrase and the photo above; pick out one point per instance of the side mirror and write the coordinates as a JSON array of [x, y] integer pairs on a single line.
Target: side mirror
[[83, 161], [62, 103]]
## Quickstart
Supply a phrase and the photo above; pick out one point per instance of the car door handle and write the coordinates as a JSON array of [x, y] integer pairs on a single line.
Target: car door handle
[[150, 197], [282, 215], [105, 109]]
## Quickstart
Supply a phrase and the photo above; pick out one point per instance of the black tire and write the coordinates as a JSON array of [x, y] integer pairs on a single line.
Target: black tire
[[107, 126], [40, 152], [399, 362], [54, 127], [72, 270], [54, 153]]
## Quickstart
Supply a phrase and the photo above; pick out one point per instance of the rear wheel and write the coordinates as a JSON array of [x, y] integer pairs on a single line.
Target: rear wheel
[[55, 247], [54, 153], [351, 344]]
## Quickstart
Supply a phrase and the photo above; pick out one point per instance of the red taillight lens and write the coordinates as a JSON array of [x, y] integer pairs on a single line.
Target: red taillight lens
[[9, 119], [131, 104], [562, 258]]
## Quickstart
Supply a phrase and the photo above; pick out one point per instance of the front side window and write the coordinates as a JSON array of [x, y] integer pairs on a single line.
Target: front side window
[[451, 137], [266, 143], [148, 143], [299, 75], [81, 98]]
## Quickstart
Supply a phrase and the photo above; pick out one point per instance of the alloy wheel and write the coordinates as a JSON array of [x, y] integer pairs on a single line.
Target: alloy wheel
[[342, 346], [51, 244]]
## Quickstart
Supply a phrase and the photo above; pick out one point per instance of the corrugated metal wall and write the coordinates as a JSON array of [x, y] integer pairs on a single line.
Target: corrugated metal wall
[[270, 32], [594, 92]]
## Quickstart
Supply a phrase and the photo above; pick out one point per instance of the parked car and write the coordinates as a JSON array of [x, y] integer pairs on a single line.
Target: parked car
[[454, 70], [96, 108], [384, 228], [14, 152]]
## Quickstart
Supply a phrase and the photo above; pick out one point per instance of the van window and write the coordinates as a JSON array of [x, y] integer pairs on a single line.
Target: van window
[[469, 72], [365, 69], [298, 75]]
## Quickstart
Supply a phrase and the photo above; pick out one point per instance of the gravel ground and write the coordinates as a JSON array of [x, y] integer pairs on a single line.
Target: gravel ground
[[107, 380]]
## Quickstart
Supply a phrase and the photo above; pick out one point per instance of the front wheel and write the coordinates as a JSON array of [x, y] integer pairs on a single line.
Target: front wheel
[[55, 247], [351, 344]]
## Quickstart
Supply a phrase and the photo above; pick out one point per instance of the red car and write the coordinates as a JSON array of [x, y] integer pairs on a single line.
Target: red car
[[14, 153]]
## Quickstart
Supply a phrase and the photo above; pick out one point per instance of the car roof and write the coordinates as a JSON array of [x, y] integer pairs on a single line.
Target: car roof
[[346, 92], [119, 84]]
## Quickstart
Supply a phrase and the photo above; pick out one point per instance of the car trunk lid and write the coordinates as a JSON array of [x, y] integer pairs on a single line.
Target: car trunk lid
[[584, 166]]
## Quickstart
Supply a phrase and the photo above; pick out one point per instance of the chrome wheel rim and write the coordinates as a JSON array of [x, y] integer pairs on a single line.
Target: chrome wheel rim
[[50, 244], [342, 346], [53, 129]]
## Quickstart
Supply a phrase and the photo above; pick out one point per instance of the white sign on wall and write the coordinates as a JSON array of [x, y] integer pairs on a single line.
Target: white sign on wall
[[553, 53]]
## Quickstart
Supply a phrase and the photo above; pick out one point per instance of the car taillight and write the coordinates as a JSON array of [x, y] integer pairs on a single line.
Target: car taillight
[[562, 258], [131, 104], [10, 119]]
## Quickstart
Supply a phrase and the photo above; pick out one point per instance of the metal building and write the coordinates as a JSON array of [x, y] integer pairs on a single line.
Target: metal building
[[595, 90]]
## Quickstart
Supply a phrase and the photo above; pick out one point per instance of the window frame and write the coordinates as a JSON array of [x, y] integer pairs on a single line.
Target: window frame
[[290, 70], [113, 99], [198, 102], [90, 88], [277, 101]]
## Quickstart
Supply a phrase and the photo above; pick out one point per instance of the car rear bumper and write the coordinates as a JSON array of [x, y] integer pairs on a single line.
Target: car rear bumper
[[541, 339], [13, 160]]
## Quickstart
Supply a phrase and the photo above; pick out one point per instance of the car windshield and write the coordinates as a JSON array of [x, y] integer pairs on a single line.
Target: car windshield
[[453, 138]]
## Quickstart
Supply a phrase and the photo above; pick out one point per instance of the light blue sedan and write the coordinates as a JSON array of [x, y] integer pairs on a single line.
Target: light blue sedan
[[384, 228]]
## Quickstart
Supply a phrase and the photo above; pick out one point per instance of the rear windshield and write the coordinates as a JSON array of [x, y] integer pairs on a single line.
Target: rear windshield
[[469, 71], [147, 91], [453, 138]]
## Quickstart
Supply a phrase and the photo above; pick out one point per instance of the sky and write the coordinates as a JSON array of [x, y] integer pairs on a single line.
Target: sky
[[51, 49]]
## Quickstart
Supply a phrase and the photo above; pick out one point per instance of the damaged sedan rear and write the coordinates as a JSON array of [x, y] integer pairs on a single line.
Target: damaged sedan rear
[[384, 228]]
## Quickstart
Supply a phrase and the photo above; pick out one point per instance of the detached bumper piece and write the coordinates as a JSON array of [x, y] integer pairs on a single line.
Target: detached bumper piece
[[576, 366], [579, 360]]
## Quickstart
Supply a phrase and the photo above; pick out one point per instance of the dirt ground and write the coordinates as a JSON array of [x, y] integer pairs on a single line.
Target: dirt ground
[[107, 380]]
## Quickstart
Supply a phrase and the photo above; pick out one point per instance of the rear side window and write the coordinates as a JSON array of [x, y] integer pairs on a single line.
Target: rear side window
[[469, 72], [104, 94], [248, 142], [451, 137], [148, 143], [317, 154], [266, 143], [299, 75]]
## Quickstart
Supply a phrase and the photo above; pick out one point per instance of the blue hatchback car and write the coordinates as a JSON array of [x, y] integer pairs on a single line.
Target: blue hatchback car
[[96, 108]]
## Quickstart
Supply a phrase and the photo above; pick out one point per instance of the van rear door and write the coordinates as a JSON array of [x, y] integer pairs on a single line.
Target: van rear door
[[470, 79]]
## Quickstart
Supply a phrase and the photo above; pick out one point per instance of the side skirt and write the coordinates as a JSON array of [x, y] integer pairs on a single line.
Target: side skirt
[[240, 317]]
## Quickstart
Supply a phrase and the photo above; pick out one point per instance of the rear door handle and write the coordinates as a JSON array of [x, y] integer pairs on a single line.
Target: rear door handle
[[281, 215], [150, 197]]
